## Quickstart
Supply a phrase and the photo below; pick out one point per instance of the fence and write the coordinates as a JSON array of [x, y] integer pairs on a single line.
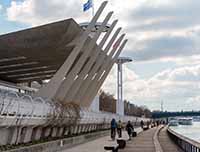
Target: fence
[[186, 144]]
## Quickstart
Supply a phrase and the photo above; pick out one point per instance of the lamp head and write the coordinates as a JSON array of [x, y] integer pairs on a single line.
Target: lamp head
[[124, 60]]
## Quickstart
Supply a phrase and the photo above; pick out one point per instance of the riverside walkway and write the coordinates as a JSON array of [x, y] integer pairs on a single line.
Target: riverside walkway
[[98, 144], [144, 142], [166, 143]]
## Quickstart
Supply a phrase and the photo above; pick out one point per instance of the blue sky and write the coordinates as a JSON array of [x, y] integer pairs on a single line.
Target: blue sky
[[8, 26], [163, 42]]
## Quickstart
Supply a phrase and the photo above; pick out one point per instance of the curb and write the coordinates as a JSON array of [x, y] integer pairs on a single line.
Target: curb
[[156, 142]]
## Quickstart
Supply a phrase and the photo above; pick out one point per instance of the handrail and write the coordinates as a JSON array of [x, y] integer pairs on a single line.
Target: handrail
[[185, 143], [14, 86]]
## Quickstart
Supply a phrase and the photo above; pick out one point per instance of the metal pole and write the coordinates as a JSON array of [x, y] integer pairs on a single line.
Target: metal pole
[[117, 109], [92, 8], [119, 90], [120, 102]]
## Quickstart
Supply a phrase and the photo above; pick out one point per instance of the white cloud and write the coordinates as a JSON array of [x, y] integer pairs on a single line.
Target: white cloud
[[182, 74], [158, 15], [36, 12], [157, 29], [165, 47], [172, 85]]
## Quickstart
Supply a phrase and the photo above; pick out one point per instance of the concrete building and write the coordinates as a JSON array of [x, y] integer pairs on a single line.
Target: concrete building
[[76, 67]]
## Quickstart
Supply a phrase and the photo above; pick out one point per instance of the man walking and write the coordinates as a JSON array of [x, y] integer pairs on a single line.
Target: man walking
[[113, 129], [129, 129]]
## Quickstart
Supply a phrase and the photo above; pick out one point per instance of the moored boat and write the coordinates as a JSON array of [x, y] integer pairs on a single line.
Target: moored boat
[[185, 121], [173, 122]]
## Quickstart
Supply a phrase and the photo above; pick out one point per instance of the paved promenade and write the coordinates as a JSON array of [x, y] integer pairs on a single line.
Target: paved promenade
[[96, 145], [142, 143], [166, 143]]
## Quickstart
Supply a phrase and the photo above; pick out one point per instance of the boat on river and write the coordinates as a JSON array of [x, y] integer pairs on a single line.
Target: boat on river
[[173, 122], [185, 121]]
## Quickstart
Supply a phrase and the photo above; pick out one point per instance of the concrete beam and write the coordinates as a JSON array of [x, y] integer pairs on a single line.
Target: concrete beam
[[29, 70], [68, 82], [94, 57], [104, 61], [49, 91], [45, 77], [28, 75], [81, 92], [96, 86]]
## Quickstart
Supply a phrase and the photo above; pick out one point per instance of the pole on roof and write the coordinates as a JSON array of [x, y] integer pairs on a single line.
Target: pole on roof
[[93, 8]]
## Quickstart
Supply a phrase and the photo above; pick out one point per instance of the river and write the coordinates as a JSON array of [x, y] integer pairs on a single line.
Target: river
[[190, 131]]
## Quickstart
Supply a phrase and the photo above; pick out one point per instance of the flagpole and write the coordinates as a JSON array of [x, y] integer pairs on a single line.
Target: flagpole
[[92, 8]]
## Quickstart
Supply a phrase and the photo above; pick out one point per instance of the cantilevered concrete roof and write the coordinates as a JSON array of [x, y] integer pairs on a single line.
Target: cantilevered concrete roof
[[37, 53]]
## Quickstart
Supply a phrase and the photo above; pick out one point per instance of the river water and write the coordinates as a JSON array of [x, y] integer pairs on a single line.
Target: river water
[[190, 131]]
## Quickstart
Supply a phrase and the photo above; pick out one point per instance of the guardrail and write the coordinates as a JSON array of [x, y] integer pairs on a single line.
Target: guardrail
[[188, 145]]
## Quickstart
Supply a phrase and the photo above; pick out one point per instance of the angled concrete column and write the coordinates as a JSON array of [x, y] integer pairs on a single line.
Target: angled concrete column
[[60, 132], [69, 79], [81, 92], [36, 133], [14, 135], [49, 90], [4, 135], [54, 132], [104, 65], [75, 129], [46, 132], [67, 131], [76, 85], [27, 135], [97, 86]]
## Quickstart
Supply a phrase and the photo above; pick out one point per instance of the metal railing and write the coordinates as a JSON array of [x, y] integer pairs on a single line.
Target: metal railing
[[22, 109], [186, 144]]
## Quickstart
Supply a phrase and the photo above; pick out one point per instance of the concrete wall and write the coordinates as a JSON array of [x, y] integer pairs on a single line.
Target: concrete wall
[[16, 136], [61, 144]]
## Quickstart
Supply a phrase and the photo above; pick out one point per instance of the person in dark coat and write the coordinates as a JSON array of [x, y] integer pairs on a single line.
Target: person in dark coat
[[142, 124], [129, 129], [113, 128]]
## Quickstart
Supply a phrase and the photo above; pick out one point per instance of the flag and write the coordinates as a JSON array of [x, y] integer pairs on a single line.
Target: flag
[[87, 5]]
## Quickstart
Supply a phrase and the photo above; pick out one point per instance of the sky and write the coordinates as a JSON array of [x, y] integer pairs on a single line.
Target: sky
[[163, 36]]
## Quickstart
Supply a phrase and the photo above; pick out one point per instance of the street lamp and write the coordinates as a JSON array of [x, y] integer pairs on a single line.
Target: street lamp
[[120, 103], [96, 26]]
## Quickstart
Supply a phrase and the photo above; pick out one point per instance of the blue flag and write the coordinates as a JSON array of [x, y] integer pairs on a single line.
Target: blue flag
[[87, 5]]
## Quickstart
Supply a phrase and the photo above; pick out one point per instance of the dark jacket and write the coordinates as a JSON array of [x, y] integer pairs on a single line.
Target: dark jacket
[[129, 128], [113, 124]]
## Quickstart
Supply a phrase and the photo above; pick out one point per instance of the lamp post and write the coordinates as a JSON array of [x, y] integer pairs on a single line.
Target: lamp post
[[120, 103], [96, 26]]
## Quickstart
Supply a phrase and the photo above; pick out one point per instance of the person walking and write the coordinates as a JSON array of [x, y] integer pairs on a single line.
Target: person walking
[[113, 128], [142, 124], [129, 129], [119, 128]]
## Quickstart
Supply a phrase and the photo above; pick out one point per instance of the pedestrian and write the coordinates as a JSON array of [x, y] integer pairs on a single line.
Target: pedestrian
[[142, 124], [129, 129], [113, 128], [119, 128]]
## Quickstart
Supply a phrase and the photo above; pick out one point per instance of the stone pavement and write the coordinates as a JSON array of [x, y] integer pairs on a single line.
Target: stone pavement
[[96, 145], [142, 143], [166, 143]]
